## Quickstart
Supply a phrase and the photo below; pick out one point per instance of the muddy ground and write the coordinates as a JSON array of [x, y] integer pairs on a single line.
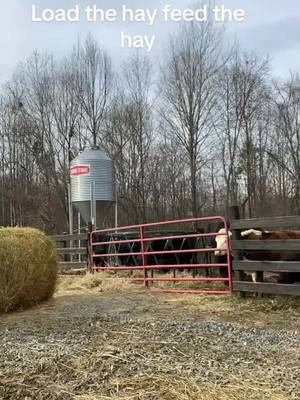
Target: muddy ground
[[99, 340]]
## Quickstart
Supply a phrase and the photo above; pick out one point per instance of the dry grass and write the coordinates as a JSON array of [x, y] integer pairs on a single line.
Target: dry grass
[[97, 282], [276, 311], [28, 268], [133, 366], [107, 282], [123, 359], [235, 303], [165, 388], [269, 311]]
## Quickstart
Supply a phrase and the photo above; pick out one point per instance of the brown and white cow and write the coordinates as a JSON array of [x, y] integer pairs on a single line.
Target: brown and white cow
[[251, 234], [255, 234]]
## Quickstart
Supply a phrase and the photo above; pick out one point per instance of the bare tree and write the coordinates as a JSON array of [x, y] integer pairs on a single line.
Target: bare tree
[[94, 84], [242, 108], [188, 93], [130, 134], [287, 109]]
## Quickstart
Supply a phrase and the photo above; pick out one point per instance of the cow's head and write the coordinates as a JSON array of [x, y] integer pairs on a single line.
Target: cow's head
[[221, 242]]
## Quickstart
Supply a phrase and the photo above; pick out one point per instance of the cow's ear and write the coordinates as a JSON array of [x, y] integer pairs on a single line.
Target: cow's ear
[[229, 233]]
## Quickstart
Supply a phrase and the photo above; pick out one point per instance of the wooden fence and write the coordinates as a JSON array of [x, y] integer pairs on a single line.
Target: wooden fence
[[240, 265], [73, 251]]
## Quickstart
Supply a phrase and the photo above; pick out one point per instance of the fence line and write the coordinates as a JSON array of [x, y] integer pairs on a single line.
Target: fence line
[[142, 248]]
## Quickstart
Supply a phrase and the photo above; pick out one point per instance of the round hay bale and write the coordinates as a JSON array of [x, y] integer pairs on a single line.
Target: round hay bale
[[28, 268]]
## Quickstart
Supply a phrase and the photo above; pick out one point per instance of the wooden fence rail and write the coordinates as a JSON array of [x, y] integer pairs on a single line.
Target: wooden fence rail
[[266, 288], [271, 223], [274, 266], [67, 238], [268, 245], [71, 250]]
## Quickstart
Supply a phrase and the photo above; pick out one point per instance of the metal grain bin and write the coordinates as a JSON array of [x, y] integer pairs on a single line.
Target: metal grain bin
[[91, 174]]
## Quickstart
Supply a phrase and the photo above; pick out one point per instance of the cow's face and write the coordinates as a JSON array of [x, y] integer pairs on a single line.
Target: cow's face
[[221, 242]]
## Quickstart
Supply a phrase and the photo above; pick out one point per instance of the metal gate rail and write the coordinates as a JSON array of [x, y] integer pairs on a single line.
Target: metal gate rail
[[140, 249]]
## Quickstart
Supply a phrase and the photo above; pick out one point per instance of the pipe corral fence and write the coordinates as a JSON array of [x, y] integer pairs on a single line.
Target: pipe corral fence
[[161, 247]]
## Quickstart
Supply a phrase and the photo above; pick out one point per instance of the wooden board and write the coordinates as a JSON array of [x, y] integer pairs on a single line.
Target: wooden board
[[67, 238], [280, 245], [277, 222], [267, 266], [71, 250], [71, 265], [268, 288]]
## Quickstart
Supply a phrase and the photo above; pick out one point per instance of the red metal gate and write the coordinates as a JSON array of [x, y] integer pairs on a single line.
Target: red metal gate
[[131, 248]]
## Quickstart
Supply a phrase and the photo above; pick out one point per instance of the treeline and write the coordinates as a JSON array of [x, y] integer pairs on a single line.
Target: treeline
[[204, 128]]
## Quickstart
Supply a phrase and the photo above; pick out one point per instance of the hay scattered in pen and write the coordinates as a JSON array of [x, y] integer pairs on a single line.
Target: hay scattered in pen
[[88, 350], [259, 312], [28, 268], [178, 388], [97, 282]]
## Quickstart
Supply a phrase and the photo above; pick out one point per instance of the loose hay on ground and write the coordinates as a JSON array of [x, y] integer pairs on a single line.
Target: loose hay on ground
[[166, 388], [28, 268], [87, 347], [269, 310], [99, 282], [151, 360]]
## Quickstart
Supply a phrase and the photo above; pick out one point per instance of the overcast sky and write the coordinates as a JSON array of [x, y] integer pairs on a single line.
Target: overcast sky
[[270, 27]]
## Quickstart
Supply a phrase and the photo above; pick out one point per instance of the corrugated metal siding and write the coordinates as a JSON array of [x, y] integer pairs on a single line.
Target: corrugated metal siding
[[101, 171]]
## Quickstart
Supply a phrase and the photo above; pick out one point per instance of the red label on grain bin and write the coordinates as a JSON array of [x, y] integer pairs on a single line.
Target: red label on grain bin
[[78, 170]]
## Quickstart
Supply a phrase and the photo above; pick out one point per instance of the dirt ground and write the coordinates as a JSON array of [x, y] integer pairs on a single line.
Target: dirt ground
[[102, 337]]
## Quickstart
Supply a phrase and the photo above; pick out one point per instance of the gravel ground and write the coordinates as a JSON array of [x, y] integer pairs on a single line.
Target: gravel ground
[[95, 343]]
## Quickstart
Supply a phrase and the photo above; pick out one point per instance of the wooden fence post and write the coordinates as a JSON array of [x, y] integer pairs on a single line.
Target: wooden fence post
[[233, 215]]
